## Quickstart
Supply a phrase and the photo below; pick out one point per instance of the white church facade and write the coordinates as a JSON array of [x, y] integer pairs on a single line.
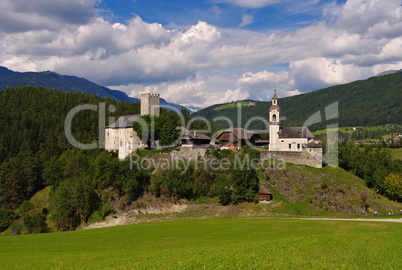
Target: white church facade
[[294, 144]]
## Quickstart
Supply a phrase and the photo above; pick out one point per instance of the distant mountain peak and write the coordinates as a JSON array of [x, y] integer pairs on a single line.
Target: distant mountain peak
[[388, 72], [65, 83], [5, 72]]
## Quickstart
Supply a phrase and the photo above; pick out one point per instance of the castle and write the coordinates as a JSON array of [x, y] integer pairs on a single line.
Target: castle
[[120, 135], [292, 144]]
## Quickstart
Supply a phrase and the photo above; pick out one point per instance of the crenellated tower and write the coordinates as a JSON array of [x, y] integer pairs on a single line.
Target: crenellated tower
[[150, 104]]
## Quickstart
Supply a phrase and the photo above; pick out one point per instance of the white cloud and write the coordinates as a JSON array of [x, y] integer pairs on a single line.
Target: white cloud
[[360, 17], [246, 20], [26, 15], [251, 3], [261, 85], [217, 10], [203, 64]]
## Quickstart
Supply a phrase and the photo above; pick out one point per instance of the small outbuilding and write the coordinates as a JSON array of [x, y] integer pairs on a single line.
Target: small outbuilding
[[264, 197], [193, 138]]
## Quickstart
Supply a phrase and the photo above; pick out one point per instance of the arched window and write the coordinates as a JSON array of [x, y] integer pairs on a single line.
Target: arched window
[[274, 118]]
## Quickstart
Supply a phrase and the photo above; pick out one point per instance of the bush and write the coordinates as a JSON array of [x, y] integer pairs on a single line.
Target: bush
[[106, 209], [7, 216], [35, 223]]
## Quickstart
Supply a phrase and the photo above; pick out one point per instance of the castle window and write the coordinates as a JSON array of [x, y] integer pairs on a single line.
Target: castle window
[[290, 146], [298, 146], [274, 118]]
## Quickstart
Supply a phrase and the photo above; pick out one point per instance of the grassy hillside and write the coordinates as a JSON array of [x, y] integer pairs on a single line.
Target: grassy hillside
[[212, 244], [298, 191], [309, 191], [370, 102], [396, 153]]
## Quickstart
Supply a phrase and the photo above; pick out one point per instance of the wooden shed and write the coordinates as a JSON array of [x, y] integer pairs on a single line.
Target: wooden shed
[[264, 197]]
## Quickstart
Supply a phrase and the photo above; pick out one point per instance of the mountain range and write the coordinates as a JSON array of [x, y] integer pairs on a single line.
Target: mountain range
[[52, 80], [374, 101], [370, 102]]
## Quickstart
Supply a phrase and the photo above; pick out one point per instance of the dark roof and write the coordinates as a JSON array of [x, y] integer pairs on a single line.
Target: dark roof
[[312, 145], [295, 132], [186, 134], [124, 121], [275, 107], [240, 133]]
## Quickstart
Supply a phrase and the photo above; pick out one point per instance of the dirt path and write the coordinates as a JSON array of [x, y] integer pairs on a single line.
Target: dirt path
[[398, 220]]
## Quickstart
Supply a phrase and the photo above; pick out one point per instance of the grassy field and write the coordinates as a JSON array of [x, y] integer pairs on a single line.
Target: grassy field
[[212, 244], [350, 130], [396, 153], [233, 105]]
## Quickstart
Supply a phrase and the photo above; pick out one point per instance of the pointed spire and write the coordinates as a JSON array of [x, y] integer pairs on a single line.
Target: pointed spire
[[275, 96]]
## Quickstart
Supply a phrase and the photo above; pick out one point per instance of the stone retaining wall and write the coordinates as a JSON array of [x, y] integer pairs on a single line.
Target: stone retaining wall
[[188, 153], [311, 156]]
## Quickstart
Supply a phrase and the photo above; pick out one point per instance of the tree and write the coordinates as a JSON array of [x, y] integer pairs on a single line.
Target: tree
[[393, 186], [245, 187], [6, 217], [53, 171], [185, 114], [35, 223], [162, 128], [73, 202]]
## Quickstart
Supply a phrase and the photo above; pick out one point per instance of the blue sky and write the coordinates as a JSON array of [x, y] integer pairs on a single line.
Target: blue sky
[[198, 53], [279, 15]]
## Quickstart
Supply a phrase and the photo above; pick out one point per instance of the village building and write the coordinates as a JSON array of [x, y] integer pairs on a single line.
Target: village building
[[120, 136], [193, 139], [235, 138]]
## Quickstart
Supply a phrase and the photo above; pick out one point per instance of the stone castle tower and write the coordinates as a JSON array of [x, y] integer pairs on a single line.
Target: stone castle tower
[[274, 124], [150, 104]]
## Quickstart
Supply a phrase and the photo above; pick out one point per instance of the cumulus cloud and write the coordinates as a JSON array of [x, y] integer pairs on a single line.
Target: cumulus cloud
[[203, 64], [261, 85]]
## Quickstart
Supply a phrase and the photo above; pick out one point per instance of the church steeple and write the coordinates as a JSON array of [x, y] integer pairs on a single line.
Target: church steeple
[[274, 110], [274, 123], [274, 98]]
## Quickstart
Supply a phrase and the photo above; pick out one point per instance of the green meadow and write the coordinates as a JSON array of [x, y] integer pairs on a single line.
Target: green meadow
[[396, 153], [232, 105], [236, 243]]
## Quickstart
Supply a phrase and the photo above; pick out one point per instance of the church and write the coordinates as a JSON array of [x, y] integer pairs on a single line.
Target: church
[[293, 144]]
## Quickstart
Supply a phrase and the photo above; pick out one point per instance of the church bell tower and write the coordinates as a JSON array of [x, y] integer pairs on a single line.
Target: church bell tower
[[274, 124]]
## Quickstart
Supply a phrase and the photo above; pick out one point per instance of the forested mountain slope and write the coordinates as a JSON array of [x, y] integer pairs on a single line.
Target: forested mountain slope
[[52, 80], [370, 102], [32, 131]]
